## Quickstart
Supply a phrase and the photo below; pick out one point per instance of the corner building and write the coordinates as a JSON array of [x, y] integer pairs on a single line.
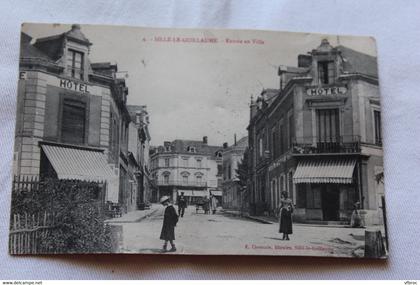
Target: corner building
[[319, 138], [72, 120]]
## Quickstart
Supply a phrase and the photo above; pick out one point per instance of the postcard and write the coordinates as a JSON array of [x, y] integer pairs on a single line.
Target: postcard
[[197, 141]]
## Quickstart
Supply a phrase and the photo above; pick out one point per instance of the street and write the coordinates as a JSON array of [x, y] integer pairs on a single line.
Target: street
[[197, 233]]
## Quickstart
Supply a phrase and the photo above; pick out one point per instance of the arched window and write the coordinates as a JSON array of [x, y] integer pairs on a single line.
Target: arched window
[[166, 176]]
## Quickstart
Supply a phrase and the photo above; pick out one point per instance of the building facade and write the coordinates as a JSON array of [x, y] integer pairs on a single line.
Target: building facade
[[319, 138], [72, 120], [232, 191], [139, 148], [188, 166]]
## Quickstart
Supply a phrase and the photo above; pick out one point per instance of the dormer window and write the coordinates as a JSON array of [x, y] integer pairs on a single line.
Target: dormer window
[[191, 149], [326, 72], [168, 148], [75, 64]]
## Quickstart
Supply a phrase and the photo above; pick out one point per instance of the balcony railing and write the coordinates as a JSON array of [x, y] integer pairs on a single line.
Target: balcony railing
[[312, 145], [181, 183]]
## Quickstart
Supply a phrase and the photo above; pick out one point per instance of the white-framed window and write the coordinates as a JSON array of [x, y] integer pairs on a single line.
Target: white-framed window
[[184, 161], [199, 162]]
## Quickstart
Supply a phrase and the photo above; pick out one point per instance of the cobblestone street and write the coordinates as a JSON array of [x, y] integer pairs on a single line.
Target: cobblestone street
[[197, 233]]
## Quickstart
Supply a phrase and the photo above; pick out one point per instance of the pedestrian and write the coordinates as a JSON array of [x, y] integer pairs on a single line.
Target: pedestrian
[[356, 219], [206, 205], [213, 203], [182, 204], [285, 216], [170, 219]]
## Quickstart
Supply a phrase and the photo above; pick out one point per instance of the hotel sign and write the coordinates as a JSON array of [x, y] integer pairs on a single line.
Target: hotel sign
[[326, 91], [74, 86]]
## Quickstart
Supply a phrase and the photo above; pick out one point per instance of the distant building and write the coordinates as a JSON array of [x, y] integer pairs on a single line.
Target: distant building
[[188, 166], [139, 148], [319, 138], [233, 193], [72, 121]]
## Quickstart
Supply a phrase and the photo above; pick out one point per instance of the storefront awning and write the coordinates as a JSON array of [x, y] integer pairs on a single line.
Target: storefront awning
[[325, 171], [80, 164]]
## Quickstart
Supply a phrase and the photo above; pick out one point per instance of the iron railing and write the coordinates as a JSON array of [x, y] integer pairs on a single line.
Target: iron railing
[[312, 145]]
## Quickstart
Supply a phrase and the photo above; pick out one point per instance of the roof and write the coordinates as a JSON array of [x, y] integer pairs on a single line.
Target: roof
[[180, 146], [358, 62], [29, 51]]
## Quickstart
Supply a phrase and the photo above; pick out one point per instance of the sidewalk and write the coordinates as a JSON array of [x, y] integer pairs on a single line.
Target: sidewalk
[[135, 216]]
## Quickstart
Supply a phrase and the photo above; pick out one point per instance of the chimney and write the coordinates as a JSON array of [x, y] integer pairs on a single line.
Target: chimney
[[205, 140], [234, 138], [225, 145]]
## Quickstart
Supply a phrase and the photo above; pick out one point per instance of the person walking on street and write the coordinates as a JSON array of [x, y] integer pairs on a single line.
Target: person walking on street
[[182, 204], [170, 219], [213, 203], [206, 205], [285, 216]]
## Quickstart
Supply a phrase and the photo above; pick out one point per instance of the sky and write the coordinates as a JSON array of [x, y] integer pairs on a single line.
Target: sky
[[196, 89]]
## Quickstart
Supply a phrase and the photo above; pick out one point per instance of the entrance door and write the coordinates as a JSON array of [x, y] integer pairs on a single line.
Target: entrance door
[[330, 202]]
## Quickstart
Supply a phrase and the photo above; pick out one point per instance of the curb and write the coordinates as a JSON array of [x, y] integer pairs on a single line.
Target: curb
[[134, 221]]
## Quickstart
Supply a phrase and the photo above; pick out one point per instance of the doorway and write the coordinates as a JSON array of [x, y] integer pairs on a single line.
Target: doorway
[[330, 196]]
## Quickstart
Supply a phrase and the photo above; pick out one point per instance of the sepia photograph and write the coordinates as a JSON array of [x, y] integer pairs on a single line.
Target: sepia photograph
[[197, 141]]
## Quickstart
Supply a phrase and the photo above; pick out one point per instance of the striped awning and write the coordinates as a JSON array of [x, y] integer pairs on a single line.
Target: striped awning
[[80, 164], [325, 171]]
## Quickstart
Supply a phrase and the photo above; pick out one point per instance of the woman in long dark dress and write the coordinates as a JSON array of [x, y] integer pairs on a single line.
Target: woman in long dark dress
[[170, 219], [285, 216]]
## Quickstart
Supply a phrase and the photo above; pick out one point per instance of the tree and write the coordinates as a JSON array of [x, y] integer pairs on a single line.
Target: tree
[[242, 170]]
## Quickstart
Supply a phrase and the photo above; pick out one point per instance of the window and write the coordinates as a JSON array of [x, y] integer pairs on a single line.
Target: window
[[219, 170], [75, 64], [73, 122], [167, 148], [166, 162], [290, 187], [273, 143], [229, 171], [191, 149], [328, 125], [166, 178], [291, 131], [185, 179], [184, 162], [313, 198], [199, 179], [378, 133], [199, 163], [281, 130], [326, 72], [260, 147]]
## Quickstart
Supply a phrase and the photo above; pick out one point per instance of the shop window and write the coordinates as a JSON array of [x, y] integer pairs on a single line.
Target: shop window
[[328, 123], [73, 122], [326, 72], [378, 133], [313, 198], [75, 64]]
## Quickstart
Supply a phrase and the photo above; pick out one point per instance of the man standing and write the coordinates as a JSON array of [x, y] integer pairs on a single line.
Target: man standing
[[182, 204], [170, 219], [213, 203]]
